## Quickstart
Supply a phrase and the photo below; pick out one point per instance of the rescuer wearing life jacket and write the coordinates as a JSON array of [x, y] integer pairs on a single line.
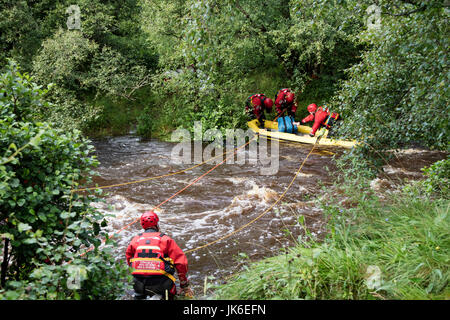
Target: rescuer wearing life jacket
[[321, 117], [285, 100], [154, 257], [256, 104]]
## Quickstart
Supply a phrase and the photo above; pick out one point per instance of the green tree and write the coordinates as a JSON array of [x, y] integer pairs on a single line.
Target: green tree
[[64, 61], [398, 94], [44, 225], [20, 34], [322, 41], [106, 57]]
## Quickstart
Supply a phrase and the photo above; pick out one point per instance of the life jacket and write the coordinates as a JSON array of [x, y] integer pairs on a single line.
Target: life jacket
[[149, 259]]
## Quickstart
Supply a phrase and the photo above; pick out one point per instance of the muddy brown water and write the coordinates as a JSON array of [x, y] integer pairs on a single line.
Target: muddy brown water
[[221, 202]]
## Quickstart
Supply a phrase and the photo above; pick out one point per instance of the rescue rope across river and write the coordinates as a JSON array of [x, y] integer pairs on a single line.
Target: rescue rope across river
[[176, 193], [200, 177], [265, 211], [156, 177]]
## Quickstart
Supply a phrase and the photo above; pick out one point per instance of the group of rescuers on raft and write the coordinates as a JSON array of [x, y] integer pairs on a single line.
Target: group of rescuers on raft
[[154, 256]]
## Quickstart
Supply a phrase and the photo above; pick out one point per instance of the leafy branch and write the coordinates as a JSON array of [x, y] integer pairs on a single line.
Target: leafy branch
[[33, 142]]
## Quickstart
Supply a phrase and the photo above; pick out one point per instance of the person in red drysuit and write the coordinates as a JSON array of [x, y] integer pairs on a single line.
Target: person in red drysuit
[[284, 100], [321, 117], [256, 104], [154, 257]]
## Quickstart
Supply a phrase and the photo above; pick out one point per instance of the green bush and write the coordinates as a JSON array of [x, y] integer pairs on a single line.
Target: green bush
[[44, 225], [437, 178]]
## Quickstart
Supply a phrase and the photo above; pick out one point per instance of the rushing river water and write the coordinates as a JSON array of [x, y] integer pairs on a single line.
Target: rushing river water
[[221, 202]]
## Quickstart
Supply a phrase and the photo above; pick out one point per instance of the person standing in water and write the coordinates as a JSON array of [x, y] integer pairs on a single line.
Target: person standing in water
[[154, 257]]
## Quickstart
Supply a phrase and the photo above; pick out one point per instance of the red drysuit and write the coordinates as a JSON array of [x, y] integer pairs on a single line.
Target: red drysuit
[[319, 117], [154, 253]]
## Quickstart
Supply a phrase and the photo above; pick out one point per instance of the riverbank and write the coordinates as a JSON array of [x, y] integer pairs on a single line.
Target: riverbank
[[380, 245]]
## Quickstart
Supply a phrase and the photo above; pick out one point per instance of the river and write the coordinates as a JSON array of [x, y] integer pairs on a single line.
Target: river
[[222, 201]]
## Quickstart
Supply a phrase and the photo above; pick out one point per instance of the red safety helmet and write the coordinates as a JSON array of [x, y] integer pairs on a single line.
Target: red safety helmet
[[149, 219], [256, 101], [289, 97], [268, 103], [312, 107]]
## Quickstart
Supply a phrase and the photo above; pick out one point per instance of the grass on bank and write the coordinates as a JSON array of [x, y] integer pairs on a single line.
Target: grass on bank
[[392, 248]]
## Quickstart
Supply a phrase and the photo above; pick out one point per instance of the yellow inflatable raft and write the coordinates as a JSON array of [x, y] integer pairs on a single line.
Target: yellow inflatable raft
[[271, 130]]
